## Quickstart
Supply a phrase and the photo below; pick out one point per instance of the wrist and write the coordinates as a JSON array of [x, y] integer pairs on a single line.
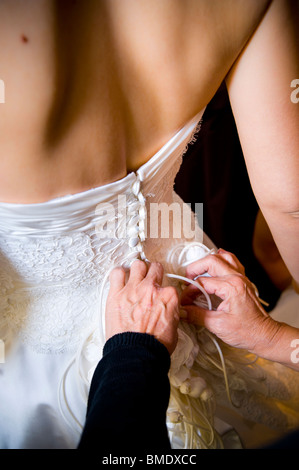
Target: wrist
[[132, 340], [276, 342], [267, 336]]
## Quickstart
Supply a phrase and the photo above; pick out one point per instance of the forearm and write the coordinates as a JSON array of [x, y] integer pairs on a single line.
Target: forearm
[[278, 342], [129, 396]]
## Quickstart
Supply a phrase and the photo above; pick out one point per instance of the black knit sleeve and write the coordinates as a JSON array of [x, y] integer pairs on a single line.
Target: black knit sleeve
[[129, 396]]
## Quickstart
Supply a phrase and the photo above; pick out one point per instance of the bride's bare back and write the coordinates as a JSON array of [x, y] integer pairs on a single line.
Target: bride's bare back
[[94, 88]]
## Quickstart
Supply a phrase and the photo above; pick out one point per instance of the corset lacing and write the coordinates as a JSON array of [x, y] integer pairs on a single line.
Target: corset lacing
[[178, 258], [191, 410], [90, 349], [136, 224]]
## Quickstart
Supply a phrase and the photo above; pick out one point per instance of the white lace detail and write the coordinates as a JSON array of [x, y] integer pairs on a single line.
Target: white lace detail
[[50, 294], [205, 372], [53, 263], [50, 286], [54, 267]]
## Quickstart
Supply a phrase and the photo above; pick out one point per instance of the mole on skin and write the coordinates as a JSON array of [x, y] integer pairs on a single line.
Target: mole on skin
[[24, 38]]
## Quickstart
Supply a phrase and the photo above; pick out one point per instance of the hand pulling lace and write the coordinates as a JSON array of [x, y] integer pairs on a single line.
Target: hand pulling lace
[[192, 402], [191, 409]]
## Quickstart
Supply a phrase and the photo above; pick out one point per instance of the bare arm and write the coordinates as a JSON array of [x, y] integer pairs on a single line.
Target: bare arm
[[266, 252], [268, 122]]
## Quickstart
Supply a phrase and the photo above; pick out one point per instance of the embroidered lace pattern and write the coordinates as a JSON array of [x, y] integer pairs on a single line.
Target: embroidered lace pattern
[[54, 267], [49, 286], [53, 261]]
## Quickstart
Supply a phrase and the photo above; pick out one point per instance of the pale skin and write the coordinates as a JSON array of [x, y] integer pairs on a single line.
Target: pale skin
[[94, 88]]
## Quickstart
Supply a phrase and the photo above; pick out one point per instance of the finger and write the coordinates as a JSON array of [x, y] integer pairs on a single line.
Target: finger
[[214, 265], [169, 295], [197, 316], [219, 286], [137, 272], [117, 279], [189, 294], [155, 273], [232, 260]]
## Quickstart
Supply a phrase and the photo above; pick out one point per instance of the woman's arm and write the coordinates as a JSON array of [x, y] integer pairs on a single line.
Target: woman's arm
[[129, 396], [267, 119], [267, 254], [130, 388]]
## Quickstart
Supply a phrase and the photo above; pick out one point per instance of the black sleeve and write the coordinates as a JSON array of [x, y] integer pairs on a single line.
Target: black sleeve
[[129, 396]]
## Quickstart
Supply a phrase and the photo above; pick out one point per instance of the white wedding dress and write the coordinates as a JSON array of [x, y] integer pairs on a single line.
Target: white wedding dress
[[55, 258]]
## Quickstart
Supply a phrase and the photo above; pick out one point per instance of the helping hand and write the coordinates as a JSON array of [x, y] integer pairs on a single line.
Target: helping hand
[[239, 320]]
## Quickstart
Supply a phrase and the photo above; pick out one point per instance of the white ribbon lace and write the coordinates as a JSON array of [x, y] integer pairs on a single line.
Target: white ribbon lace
[[190, 413]]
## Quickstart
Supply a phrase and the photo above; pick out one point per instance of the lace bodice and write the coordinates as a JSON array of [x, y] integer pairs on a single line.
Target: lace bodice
[[55, 259], [55, 256]]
